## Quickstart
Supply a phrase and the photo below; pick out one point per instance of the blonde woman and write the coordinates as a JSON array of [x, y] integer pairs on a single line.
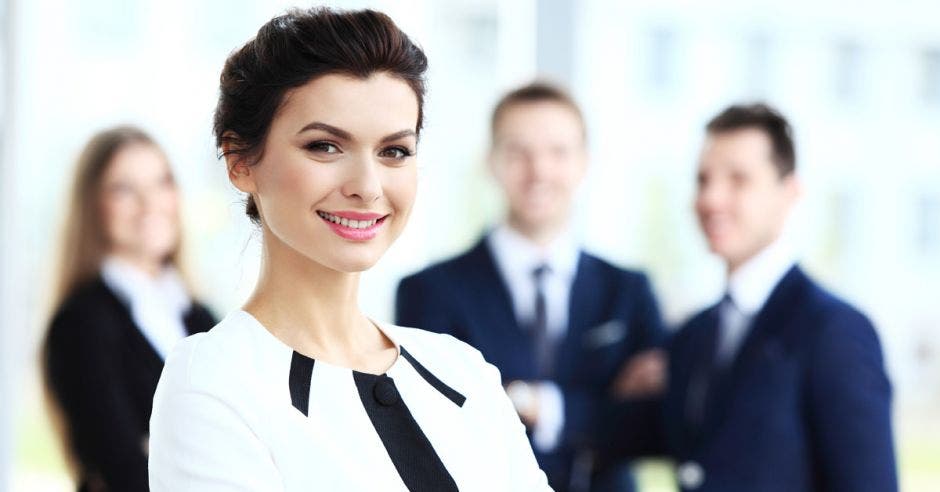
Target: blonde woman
[[122, 305]]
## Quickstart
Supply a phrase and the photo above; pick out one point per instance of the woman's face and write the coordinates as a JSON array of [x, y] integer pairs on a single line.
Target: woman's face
[[139, 205], [337, 178]]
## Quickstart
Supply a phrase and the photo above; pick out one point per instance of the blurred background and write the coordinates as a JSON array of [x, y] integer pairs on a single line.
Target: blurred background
[[859, 81]]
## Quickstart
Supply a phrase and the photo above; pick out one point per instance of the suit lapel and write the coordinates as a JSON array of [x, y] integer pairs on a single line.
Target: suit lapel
[[701, 389], [585, 309], [584, 303], [502, 337], [769, 322], [488, 283], [762, 338], [137, 342]]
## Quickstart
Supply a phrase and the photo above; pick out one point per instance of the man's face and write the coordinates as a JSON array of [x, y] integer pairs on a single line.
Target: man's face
[[539, 159], [742, 201]]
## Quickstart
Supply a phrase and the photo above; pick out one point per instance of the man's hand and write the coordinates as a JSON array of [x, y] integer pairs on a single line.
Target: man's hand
[[525, 397], [642, 376]]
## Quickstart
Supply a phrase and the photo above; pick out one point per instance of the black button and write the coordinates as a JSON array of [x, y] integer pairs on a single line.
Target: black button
[[385, 392]]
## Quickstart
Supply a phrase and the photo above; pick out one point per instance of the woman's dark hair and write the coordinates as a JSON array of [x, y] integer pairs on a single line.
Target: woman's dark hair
[[295, 48], [761, 117]]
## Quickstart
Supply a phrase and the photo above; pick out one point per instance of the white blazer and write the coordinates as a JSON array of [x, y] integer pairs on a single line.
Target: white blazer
[[238, 410]]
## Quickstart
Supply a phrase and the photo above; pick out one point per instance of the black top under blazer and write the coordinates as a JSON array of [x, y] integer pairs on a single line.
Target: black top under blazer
[[102, 373]]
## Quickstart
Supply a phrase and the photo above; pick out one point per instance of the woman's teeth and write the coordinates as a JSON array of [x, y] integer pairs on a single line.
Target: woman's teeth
[[353, 224]]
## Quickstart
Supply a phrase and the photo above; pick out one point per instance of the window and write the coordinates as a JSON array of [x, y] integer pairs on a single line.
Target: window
[[662, 59], [848, 75], [757, 65], [931, 76], [928, 224]]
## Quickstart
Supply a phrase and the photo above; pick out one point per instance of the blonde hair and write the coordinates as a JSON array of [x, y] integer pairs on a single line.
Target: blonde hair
[[84, 242]]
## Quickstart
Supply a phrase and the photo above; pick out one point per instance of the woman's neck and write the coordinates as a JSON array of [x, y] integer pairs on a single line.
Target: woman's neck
[[314, 309]]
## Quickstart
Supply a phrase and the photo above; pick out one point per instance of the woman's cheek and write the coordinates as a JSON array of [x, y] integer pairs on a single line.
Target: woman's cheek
[[402, 188], [116, 212], [291, 186]]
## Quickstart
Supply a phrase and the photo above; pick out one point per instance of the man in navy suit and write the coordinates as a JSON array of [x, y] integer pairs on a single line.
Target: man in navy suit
[[780, 386], [559, 323]]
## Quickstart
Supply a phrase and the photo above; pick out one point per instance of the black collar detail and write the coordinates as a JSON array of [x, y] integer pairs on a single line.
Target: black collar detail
[[301, 372], [439, 385]]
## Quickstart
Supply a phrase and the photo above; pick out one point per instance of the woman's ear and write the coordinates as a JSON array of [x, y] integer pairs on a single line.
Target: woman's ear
[[239, 168]]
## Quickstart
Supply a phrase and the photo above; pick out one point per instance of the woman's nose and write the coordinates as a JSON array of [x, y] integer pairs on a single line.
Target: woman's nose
[[363, 181]]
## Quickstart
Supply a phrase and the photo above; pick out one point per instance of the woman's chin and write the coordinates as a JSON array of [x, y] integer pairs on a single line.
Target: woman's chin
[[354, 264], [157, 246], [354, 267]]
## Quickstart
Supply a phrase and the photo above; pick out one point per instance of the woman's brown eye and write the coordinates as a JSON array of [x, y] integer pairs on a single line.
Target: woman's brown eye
[[396, 152], [325, 147]]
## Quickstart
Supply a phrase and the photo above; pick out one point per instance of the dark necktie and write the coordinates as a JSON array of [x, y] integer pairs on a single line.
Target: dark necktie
[[708, 373], [541, 339]]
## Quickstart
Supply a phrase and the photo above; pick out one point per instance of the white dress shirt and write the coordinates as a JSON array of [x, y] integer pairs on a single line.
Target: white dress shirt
[[516, 258], [748, 288], [157, 304], [236, 409]]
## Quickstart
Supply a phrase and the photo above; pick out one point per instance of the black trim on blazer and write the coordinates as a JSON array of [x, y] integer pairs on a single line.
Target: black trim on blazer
[[451, 394], [301, 372], [418, 465]]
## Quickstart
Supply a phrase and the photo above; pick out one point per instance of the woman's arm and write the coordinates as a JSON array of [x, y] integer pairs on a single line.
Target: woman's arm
[[525, 474], [199, 443], [84, 373]]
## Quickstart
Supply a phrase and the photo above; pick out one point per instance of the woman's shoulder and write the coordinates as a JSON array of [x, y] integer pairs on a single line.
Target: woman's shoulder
[[431, 345], [448, 358], [208, 361], [199, 317], [89, 312], [86, 298]]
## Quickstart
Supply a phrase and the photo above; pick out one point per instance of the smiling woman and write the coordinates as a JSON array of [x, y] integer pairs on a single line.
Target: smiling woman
[[318, 121], [341, 146]]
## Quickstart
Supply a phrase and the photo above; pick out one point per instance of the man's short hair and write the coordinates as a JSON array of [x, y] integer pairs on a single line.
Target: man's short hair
[[535, 92], [765, 118]]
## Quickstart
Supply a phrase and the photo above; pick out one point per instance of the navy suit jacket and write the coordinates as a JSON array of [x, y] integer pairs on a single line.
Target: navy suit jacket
[[612, 315], [805, 405]]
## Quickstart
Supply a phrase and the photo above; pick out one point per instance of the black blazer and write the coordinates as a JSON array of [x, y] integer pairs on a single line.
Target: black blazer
[[103, 373]]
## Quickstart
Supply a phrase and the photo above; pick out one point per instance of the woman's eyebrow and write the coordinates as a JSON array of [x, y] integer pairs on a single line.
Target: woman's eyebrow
[[343, 134], [401, 134], [316, 125]]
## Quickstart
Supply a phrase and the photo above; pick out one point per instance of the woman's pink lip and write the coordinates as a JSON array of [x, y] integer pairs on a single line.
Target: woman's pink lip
[[354, 234], [353, 215]]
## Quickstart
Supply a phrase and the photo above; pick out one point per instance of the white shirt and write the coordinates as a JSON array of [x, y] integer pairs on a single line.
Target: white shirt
[[237, 409], [516, 258], [157, 304], [749, 288]]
